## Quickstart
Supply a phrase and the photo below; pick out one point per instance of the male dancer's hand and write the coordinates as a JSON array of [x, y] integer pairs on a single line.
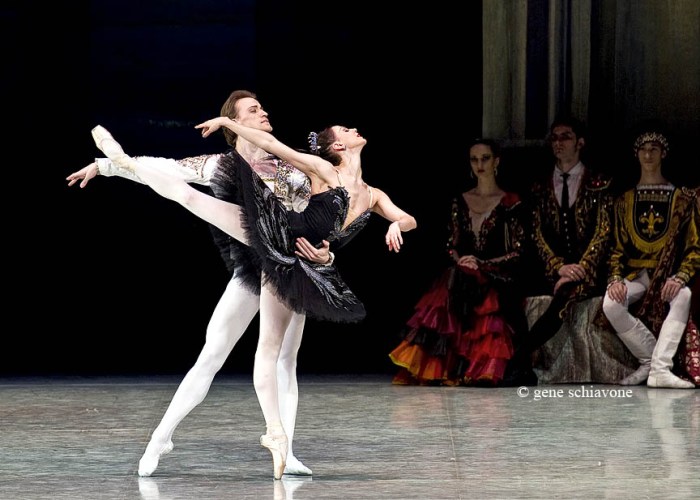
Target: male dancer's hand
[[307, 251]]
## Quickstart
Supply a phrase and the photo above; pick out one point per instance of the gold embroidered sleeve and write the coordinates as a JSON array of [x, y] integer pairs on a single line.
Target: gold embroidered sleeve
[[691, 253], [598, 248], [619, 237], [551, 261]]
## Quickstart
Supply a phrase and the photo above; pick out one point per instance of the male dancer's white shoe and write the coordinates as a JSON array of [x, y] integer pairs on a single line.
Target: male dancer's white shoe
[[295, 468]]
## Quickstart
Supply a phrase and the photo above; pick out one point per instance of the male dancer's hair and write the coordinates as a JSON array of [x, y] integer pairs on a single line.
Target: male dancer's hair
[[229, 109]]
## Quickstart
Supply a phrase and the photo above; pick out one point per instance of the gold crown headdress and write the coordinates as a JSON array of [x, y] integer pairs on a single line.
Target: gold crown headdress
[[650, 137]]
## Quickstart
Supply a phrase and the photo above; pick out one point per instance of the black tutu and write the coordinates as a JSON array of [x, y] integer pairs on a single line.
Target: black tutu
[[238, 257], [305, 287]]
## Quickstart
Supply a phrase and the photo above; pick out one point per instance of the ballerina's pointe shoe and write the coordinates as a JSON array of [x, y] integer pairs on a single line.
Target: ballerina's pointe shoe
[[277, 444], [149, 461], [295, 468], [111, 148]]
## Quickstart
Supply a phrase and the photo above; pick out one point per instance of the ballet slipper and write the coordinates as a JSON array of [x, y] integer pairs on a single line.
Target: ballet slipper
[[149, 461], [277, 444], [111, 148], [295, 468]]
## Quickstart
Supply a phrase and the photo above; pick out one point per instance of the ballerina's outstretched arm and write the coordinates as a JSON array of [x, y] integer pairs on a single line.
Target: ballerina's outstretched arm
[[313, 166], [222, 214], [401, 220]]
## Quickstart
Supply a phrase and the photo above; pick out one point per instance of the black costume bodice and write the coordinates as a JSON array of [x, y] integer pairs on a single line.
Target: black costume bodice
[[272, 231]]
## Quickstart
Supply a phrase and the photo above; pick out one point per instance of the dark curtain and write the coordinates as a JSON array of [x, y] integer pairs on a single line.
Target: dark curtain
[[612, 63]]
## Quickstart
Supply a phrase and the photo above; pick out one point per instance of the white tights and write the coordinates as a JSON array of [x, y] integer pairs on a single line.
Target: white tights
[[619, 316], [233, 313], [275, 318], [231, 317]]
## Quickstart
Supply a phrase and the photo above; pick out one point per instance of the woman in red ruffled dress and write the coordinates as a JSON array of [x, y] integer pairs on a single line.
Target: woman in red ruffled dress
[[461, 331]]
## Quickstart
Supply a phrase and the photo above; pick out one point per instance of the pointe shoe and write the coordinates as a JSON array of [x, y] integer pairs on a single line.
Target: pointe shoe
[[149, 461], [295, 468], [277, 444], [111, 148]]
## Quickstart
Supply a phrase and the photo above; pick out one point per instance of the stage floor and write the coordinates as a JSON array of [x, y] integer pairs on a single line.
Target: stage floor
[[82, 437]]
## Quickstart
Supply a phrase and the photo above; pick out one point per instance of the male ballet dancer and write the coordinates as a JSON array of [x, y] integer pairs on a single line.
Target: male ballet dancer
[[239, 303]]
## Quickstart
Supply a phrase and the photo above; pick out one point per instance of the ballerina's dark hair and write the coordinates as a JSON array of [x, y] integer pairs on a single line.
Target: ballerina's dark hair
[[320, 144]]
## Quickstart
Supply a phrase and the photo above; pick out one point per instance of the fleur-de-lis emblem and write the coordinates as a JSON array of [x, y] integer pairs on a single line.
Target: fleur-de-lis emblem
[[651, 219]]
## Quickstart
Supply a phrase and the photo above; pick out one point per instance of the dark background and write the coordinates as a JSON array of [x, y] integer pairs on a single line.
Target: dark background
[[114, 279]]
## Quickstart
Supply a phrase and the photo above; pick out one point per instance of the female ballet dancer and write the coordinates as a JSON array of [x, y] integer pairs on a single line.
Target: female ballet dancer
[[340, 205]]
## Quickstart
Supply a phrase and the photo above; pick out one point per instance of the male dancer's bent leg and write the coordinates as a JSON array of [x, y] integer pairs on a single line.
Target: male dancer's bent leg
[[233, 313]]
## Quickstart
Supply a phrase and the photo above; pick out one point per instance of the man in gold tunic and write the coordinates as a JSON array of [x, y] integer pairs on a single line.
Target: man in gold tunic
[[655, 254]]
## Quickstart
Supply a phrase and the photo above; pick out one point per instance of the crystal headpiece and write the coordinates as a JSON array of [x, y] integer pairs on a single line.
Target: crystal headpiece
[[650, 137], [313, 142]]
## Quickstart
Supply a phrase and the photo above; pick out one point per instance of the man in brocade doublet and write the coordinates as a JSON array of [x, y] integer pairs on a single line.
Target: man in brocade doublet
[[655, 254], [588, 248], [570, 213]]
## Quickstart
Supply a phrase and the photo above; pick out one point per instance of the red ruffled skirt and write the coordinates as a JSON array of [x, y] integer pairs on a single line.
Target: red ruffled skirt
[[442, 347]]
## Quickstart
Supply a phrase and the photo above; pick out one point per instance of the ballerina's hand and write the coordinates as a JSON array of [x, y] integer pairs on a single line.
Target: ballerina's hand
[[84, 175], [210, 126], [393, 238]]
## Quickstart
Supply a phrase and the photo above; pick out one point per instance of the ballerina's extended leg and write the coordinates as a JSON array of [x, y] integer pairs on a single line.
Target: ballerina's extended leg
[[165, 185], [226, 216], [112, 149]]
